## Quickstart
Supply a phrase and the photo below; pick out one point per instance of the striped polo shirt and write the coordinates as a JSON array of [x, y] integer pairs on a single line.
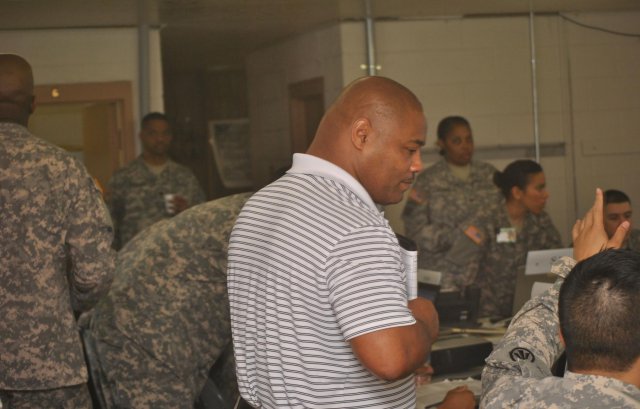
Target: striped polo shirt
[[312, 264]]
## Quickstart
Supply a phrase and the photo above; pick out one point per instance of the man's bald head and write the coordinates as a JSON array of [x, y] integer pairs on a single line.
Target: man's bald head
[[16, 89], [374, 116], [383, 95], [372, 97]]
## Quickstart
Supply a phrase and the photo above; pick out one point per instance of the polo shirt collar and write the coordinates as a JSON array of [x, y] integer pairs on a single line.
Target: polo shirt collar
[[313, 165]]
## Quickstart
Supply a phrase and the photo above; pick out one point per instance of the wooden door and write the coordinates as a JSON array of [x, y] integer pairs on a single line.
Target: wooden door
[[101, 148], [306, 107], [94, 121]]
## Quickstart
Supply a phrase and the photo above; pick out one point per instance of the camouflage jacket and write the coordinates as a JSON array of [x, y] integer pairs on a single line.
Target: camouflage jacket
[[501, 262], [439, 207], [55, 244], [135, 196], [169, 299], [633, 241], [518, 372]]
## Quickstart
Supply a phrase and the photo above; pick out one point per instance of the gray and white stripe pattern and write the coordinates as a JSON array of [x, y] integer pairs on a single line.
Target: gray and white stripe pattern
[[311, 265]]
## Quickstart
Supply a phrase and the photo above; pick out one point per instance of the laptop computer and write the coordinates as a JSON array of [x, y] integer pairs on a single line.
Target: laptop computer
[[536, 270], [540, 261]]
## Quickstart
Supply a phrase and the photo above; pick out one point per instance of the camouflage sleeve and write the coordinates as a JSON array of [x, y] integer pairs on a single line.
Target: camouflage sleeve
[[464, 258], [633, 241], [88, 240], [550, 235], [532, 343], [116, 204], [196, 194], [429, 236]]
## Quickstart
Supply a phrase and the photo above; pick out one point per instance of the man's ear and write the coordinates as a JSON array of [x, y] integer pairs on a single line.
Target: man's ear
[[360, 133]]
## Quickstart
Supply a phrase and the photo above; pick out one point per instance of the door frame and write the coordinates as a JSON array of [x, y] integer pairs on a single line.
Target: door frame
[[118, 92], [299, 93]]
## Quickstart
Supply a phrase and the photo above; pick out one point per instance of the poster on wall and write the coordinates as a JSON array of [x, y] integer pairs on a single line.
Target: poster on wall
[[229, 139]]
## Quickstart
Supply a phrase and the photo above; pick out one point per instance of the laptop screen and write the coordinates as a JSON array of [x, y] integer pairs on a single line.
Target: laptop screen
[[540, 261]]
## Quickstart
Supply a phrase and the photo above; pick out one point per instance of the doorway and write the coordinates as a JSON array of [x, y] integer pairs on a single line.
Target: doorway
[[306, 106], [93, 121]]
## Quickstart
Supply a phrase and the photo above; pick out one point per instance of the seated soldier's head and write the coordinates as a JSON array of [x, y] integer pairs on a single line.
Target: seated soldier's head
[[599, 309], [617, 208]]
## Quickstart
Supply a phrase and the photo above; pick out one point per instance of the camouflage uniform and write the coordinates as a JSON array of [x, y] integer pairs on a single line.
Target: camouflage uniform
[[500, 263], [76, 396], [518, 371], [136, 196], [439, 207], [55, 244], [166, 319], [633, 242]]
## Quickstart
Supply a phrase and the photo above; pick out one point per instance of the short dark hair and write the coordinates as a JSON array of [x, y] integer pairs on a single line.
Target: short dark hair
[[151, 116], [615, 196], [447, 124], [517, 173], [599, 315]]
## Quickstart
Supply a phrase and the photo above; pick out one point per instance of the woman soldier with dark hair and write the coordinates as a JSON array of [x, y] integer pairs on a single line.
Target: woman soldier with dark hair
[[446, 202], [518, 226]]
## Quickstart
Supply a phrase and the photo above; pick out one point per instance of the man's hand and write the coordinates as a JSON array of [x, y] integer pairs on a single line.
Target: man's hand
[[424, 311], [458, 398], [589, 236], [423, 374], [180, 204]]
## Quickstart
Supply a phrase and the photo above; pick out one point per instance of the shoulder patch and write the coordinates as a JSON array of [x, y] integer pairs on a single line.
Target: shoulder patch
[[521, 354]]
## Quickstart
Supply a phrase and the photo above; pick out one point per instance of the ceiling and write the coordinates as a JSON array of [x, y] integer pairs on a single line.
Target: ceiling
[[216, 33]]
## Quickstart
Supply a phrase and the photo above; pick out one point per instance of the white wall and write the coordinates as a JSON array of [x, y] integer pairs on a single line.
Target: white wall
[[481, 68], [588, 92], [605, 97], [65, 56], [269, 73]]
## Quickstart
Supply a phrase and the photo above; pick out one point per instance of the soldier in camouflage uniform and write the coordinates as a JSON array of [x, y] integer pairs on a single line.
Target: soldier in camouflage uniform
[[501, 262], [55, 238], [600, 324], [136, 193], [165, 321], [447, 199], [515, 228], [617, 209]]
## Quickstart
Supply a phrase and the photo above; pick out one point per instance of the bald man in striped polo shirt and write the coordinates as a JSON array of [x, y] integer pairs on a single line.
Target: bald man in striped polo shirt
[[319, 309]]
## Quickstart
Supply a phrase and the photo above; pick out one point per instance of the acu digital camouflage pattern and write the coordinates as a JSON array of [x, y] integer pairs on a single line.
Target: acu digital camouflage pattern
[[166, 319], [518, 372], [68, 397], [135, 196], [500, 263], [633, 241], [439, 207], [55, 243]]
